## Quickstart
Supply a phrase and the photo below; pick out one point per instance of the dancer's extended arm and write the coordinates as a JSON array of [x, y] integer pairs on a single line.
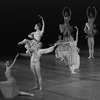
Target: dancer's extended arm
[[76, 34], [43, 26], [14, 61], [95, 13], [87, 11]]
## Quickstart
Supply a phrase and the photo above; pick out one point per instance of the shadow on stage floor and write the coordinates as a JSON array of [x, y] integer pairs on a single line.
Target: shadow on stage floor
[[58, 82]]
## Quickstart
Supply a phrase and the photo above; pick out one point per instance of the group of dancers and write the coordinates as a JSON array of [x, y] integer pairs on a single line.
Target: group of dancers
[[65, 49]]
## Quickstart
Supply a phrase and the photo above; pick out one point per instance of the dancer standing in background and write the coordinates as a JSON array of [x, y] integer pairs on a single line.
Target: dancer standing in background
[[9, 87], [90, 30], [66, 29]]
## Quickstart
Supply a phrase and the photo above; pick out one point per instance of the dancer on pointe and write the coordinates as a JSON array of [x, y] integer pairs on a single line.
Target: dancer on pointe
[[90, 30], [9, 87]]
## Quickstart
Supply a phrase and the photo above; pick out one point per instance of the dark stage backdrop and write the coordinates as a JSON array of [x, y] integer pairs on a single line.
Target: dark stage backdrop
[[18, 17]]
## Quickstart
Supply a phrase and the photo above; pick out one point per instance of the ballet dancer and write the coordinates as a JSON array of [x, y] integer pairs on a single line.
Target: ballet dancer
[[38, 33], [90, 30], [9, 87], [37, 52], [66, 29], [74, 58], [57, 50]]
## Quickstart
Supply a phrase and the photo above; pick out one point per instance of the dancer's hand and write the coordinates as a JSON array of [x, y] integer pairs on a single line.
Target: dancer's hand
[[40, 16], [76, 27], [19, 43], [17, 54], [55, 44]]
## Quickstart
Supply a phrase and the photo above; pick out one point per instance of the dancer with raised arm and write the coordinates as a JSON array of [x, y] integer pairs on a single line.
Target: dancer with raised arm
[[65, 14], [35, 63], [74, 58], [9, 87], [38, 33], [66, 29], [90, 30]]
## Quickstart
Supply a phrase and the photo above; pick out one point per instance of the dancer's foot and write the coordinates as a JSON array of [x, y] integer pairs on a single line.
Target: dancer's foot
[[40, 89], [56, 58], [73, 72], [89, 57], [31, 94], [35, 88]]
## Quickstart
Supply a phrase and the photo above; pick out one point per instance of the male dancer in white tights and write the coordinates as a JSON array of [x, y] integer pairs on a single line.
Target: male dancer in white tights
[[35, 63]]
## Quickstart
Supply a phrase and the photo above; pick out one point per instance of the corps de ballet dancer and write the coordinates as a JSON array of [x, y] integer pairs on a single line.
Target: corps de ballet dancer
[[66, 28], [90, 30]]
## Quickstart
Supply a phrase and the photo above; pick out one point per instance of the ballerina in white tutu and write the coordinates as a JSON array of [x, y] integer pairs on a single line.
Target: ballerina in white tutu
[[9, 87]]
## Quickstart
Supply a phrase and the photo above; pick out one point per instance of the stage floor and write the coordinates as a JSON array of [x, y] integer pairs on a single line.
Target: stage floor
[[58, 82]]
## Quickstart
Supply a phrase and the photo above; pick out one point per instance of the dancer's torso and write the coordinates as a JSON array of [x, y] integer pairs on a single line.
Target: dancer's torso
[[90, 32], [37, 35]]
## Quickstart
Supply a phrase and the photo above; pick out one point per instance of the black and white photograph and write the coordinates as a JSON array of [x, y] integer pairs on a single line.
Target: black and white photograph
[[50, 50]]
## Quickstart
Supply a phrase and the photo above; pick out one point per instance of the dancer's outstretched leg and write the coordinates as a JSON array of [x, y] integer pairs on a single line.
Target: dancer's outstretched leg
[[26, 93]]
